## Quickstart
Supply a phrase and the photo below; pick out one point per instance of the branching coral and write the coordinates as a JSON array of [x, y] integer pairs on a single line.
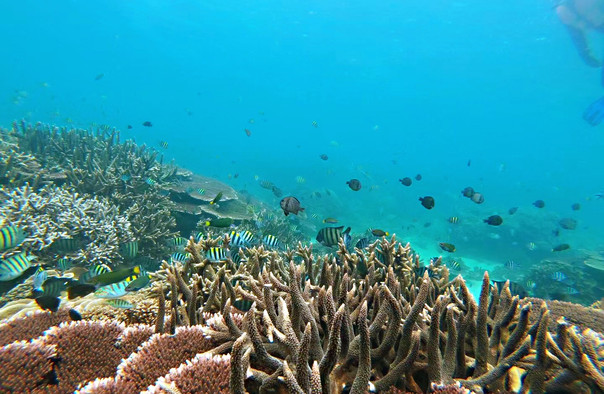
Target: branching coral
[[329, 329], [54, 213], [97, 163]]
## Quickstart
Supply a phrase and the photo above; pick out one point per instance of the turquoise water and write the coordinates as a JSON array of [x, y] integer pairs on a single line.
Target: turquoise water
[[396, 88]]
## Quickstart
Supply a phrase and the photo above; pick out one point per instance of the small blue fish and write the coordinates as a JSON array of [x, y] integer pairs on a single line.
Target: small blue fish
[[150, 182]]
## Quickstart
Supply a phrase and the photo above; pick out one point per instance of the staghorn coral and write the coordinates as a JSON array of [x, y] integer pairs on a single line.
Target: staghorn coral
[[333, 329], [52, 213]]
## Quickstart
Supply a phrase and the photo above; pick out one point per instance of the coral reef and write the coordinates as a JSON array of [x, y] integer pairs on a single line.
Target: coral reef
[[326, 324], [55, 213], [96, 163]]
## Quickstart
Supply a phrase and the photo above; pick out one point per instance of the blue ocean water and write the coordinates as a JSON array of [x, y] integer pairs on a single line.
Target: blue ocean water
[[396, 88]]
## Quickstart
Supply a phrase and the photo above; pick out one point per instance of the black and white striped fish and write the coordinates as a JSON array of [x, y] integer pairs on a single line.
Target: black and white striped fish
[[180, 257], [129, 250], [13, 266], [271, 241], [329, 236], [243, 238], [216, 254]]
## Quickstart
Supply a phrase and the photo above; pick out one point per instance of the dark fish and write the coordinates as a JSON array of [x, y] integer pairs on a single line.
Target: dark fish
[[222, 222], [494, 220], [147, 124], [79, 289], [216, 199], [418, 177], [379, 233], [468, 192], [329, 236], [277, 192], [447, 247], [556, 232], [11, 237], [291, 205], [560, 247], [248, 132], [539, 203], [427, 202], [406, 181], [469, 163], [74, 315], [354, 184], [48, 303], [114, 276], [324, 157], [129, 126], [512, 210], [330, 220], [478, 198], [99, 77], [576, 206], [568, 223]]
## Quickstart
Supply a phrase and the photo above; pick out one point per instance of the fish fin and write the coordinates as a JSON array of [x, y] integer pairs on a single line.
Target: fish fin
[[286, 213], [347, 230]]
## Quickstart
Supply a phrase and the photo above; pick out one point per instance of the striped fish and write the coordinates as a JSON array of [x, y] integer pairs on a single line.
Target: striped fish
[[94, 271], [271, 241], [180, 257], [177, 242], [198, 236], [236, 256], [67, 244], [129, 250], [114, 290], [216, 254], [363, 243], [243, 238], [329, 236], [14, 266], [11, 237], [559, 276], [64, 263], [455, 265], [53, 286], [121, 304]]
